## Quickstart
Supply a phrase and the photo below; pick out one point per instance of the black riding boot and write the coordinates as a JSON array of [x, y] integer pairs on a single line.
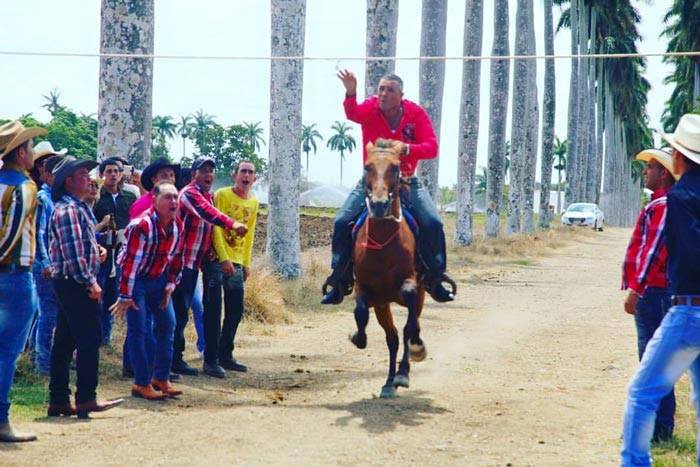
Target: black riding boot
[[340, 282]]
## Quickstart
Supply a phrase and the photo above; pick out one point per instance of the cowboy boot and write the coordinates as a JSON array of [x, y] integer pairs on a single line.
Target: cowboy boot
[[147, 392], [57, 410], [9, 435], [340, 282], [437, 290], [85, 408], [166, 388]]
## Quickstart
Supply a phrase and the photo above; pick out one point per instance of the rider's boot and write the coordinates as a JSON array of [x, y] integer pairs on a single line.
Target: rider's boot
[[340, 283], [436, 288]]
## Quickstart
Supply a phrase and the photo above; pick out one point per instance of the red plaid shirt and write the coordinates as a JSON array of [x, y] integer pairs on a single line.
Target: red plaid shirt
[[150, 251], [415, 129], [645, 260], [198, 214]]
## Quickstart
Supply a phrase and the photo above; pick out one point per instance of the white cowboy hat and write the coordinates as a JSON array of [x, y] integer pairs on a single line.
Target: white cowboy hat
[[13, 134], [45, 148], [662, 156], [686, 138]]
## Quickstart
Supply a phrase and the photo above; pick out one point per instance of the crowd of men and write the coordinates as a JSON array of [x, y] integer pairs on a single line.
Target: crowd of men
[[90, 245]]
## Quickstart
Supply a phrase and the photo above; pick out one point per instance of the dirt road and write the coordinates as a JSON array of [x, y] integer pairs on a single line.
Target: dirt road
[[525, 368]]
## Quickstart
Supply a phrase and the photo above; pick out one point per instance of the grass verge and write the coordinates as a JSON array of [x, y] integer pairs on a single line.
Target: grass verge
[[681, 450]]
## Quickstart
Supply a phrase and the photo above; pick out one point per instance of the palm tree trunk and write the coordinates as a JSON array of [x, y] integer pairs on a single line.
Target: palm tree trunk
[[599, 132], [183, 146], [582, 153], [592, 154], [432, 81], [548, 113], [125, 99], [286, 86], [519, 121], [382, 22], [572, 120], [469, 121], [307, 169], [500, 81], [529, 169], [342, 158]]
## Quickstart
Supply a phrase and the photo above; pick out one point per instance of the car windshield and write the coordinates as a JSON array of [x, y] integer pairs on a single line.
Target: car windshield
[[581, 208]]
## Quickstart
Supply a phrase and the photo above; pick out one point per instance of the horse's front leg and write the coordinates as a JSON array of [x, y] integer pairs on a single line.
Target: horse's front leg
[[409, 293], [359, 338], [386, 321]]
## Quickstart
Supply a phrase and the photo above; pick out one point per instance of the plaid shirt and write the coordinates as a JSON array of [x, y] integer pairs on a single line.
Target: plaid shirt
[[17, 209], [73, 246], [150, 251], [44, 211], [198, 213], [645, 260]]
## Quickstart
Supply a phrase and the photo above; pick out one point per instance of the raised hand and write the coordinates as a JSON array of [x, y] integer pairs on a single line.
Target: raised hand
[[349, 81]]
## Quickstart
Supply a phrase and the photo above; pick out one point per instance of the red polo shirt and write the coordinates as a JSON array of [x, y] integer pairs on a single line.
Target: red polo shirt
[[415, 129]]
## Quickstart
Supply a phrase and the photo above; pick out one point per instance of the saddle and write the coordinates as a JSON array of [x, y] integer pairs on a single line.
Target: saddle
[[412, 224]]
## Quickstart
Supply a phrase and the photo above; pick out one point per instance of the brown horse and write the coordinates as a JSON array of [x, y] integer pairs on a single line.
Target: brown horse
[[385, 266]]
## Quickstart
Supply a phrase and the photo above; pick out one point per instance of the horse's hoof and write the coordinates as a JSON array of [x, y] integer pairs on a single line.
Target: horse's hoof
[[360, 341], [400, 381], [388, 392], [417, 352]]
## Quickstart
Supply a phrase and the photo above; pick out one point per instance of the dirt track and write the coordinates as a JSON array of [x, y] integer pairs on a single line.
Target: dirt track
[[525, 368]]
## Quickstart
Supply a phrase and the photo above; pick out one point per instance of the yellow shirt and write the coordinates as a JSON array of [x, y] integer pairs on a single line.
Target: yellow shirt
[[238, 250]]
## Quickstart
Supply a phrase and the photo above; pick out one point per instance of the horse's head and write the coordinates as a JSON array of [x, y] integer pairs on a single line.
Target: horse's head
[[383, 178]]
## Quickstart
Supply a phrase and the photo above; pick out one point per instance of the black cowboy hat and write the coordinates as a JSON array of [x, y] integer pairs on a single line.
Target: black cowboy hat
[[152, 169], [65, 168]]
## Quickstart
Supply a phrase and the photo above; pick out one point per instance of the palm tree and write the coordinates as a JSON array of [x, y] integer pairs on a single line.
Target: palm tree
[[529, 168], [163, 127], [184, 129], [341, 141], [309, 135], [125, 91], [202, 122], [432, 80], [382, 23], [500, 79], [286, 86], [52, 104], [253, 133], [548, 113], [559, 151], [573, 115], [469, 122]]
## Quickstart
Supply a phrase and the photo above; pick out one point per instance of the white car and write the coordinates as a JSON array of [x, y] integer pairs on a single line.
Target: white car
[[584, 215]]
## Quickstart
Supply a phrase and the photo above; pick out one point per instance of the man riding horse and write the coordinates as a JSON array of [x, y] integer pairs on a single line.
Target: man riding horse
[[388, 115]]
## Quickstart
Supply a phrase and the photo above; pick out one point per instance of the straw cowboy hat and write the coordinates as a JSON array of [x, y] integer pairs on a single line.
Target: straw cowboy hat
[[686, 138], [13, 134], [662, 156], [45, 149], [64, 169]]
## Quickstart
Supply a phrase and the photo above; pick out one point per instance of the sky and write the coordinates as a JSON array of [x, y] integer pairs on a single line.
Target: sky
[[238, 90]]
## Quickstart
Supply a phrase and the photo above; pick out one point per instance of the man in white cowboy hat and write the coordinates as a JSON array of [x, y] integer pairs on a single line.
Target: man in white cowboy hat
[[75, 261], [675, 346], [42, 151], [644, 270], [48, 305], [17, 293]]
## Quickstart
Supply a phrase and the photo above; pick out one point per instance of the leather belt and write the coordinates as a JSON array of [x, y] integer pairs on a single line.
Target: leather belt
[[8, 268], [685, 300]]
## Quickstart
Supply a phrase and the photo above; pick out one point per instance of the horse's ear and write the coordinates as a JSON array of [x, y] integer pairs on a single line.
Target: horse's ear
[[370, 146]]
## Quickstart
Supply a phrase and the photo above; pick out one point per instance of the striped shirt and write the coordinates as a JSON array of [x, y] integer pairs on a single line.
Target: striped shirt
[[198, 214], [44, 211], [17, 209], [73, 246], [645, 260], [150, 251]]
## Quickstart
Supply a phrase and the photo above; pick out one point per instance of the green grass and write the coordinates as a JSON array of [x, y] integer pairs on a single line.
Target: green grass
[[681, 450], [29, 392]]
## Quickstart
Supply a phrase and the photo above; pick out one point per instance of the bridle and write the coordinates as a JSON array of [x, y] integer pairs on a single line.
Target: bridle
[[370, 243]]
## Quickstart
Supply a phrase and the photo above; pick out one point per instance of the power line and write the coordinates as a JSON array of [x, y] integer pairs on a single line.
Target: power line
[[355, 58]]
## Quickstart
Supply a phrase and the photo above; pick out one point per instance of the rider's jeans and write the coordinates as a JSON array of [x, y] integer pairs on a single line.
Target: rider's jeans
[[674, 348], [418, 202]]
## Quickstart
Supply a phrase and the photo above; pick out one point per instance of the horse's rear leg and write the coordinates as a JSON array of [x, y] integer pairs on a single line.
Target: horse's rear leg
[[359, 338], [386, 321], [411, 332]]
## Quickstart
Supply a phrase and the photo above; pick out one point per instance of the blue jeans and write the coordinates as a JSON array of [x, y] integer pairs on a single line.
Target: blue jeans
[[651, 309], [17, 305], [431, 243], [150, 331], [46, 323], [198, 315], [673, 349], [182, 300], [110, 293]]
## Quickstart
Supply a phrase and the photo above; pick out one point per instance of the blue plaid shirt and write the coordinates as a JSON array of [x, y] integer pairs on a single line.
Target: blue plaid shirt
[[73, 247], [44, 211]]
